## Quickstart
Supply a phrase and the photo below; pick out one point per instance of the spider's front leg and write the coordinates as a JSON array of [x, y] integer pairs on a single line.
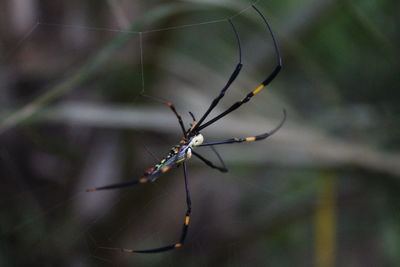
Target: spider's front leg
[[266, 82], [232, 78]]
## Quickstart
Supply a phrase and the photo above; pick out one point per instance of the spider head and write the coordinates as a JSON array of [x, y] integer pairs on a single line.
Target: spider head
[[196, 140]]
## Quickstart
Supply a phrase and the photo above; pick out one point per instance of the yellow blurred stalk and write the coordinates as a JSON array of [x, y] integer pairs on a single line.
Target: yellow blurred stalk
[[325, 221]]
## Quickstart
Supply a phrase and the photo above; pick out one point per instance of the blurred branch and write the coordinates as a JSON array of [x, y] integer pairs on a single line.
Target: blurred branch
[[91, 66], [119, 14], [293, 145], [325, 221], [63, 87]]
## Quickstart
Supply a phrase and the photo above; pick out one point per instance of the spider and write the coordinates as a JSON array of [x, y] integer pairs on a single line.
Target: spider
[[192, 138]]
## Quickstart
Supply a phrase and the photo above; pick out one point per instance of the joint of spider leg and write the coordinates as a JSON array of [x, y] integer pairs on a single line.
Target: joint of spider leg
[[143, 180], [150, 170], [165, 169], [192, 124], [246, 99]]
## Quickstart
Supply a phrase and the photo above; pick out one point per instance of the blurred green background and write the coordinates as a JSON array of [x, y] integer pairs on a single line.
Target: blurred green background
[[323, 191]]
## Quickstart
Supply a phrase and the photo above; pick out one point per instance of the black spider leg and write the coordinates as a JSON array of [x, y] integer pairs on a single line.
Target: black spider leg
[[230, 81], [171, 106], [259, 88], [192, 115], [209, 163], [219, 158], [142, 180], [191, 124], [185, 226], [249, 139]]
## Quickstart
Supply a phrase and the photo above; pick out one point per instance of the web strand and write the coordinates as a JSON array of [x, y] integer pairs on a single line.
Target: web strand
[[146, 31], [185, 26], [244, 9], [21, 41], [87, 28]]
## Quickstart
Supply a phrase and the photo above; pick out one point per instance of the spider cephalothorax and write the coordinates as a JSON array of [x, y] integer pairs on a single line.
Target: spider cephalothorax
[[193, 139]]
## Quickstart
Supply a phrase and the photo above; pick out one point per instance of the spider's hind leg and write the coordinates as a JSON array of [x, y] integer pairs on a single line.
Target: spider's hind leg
[[120, 185], [185, 226]]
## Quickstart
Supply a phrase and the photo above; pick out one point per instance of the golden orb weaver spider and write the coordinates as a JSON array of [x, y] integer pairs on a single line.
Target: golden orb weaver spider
[[193, 138]]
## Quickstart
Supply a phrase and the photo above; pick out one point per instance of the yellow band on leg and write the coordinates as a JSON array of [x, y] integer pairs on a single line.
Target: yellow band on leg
[[143, 180], [258, 89]]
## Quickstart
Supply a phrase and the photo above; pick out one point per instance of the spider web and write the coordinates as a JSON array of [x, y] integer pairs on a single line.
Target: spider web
[[53, 217]]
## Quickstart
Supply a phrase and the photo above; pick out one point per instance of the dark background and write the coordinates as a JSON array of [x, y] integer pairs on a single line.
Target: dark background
[[323, 191]]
